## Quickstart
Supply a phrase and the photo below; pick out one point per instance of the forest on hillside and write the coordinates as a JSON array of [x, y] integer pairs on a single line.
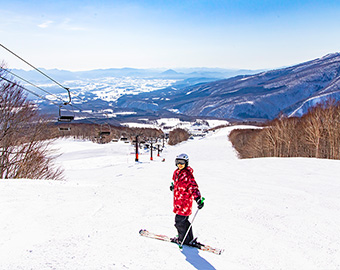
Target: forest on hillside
[[315, 134]]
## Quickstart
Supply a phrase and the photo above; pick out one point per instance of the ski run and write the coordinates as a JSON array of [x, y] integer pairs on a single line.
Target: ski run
[[266, 213]]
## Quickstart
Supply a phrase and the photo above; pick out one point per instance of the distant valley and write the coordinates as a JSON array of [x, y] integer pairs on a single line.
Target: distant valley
[[95, 93], [259, 97], [123, 95]]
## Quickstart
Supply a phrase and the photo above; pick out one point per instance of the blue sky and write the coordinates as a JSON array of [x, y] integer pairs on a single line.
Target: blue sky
[[84, 35]]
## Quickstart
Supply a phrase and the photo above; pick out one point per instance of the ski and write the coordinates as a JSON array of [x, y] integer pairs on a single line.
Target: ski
[[162, 237]]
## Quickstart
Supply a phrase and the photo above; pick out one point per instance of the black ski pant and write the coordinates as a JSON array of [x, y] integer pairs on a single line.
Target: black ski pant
[[182, 225]]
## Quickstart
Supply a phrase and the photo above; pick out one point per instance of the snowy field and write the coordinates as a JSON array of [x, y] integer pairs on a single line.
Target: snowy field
[[266, 213]]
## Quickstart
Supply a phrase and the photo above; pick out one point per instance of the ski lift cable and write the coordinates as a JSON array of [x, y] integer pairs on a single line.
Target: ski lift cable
[[33, 93], [67, 89], [30, 91], [34, 67], [10, 72], [48, 100], [34, 85]]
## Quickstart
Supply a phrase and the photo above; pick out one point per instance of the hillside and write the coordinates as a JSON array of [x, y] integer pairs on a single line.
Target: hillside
[[95, 92], [262, 96], [266, 213], [129, 94]]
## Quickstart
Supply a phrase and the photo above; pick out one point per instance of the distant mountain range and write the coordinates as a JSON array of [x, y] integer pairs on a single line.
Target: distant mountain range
[[262, 96], [133, 94], [181, 73], [95, 92]]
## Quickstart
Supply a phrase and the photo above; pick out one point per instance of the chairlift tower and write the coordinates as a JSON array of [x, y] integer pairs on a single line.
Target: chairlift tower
[[137, 158], [151, 149]]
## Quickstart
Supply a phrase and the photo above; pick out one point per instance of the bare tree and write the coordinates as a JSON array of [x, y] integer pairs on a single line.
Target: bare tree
[[313, 129], [23, 152], [178, 135], [316, 134]]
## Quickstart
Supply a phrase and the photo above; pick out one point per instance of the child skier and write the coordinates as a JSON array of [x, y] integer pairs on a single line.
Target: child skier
[[185, 190]]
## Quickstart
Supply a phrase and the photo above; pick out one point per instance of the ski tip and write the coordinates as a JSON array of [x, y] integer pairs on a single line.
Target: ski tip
[[141, 231]]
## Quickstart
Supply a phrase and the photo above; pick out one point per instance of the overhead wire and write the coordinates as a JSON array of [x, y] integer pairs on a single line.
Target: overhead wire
[[65, 88], [34, 67], [41, 97], [30, 91], [26, 81], [38, 70]]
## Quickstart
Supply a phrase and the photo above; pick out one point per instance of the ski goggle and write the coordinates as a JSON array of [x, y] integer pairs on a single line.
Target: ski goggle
[[179, 161]]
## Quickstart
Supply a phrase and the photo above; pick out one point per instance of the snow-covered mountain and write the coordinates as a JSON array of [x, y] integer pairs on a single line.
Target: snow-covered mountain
[[192, 93], [95, 92], [290, 90], [181, 73]]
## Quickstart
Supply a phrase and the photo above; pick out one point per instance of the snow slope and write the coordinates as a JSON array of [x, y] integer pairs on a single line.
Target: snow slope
[[266, 213]]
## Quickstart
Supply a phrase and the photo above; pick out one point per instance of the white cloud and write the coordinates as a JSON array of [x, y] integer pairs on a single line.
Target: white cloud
[[45, 24], [67, 25]]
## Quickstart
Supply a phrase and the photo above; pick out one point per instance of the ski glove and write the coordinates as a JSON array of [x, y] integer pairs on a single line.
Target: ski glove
[[200, 202], [172, 186]]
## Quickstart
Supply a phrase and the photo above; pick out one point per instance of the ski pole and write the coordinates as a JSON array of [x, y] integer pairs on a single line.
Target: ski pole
[[193, 219]]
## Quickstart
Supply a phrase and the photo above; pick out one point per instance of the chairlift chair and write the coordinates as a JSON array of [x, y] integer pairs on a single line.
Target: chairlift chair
[[105, 130], [64, 129], [66, 112], [66, 115]]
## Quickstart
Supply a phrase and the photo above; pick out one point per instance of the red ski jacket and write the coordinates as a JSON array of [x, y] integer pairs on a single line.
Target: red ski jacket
[[185, 190]]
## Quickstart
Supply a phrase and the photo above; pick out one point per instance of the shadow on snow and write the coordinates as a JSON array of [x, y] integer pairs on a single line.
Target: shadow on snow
[[193, 257]]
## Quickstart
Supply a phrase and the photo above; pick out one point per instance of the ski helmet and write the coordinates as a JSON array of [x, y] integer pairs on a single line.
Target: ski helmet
[[182, 157]]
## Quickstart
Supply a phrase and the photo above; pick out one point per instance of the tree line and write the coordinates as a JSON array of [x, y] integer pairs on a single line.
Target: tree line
[[315, 134], [26, 135], [101, 133]]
